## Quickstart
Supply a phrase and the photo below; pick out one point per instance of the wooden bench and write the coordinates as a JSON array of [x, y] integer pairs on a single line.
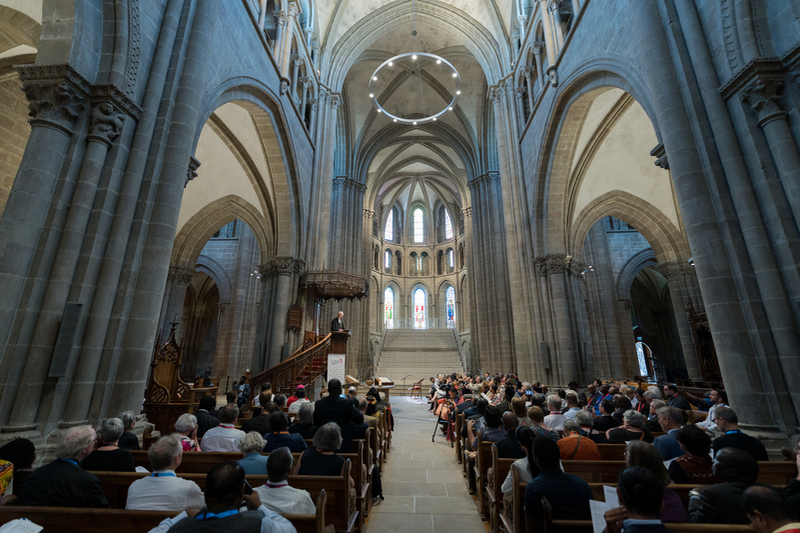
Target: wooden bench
[[497, 474], [76, 520], [459, 445], [340, 510]]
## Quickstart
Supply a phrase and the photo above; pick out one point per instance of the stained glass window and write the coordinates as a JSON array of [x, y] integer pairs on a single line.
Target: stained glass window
[[388, 232], [450, 306], [387, 259], [448, 226], [419, 226], [419, 309], [388, 308], [451, 259]]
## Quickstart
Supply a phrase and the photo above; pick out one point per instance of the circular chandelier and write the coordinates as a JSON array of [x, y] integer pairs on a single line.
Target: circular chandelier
[[429, 69]]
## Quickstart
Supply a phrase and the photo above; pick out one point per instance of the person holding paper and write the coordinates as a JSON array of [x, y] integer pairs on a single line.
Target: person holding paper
[[640, 494]]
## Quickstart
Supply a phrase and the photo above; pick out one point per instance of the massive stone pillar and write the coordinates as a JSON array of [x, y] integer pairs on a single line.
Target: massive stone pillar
[[178, 280], [679, 294], [283, 273]]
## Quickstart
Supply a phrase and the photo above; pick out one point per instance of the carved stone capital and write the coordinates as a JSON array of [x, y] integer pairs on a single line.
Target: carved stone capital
[[660, 153], [296, 60], [282, 266], [496, 93], [369, 215], [106, 124], [538, 48], [626, 304], [672, 270], [558, 264], [335, 101], [467, 212], [520, 92], [292, 9], [313, 103], [528, 72], [305, 82], [764, 96], [191, 172], [55, 105], [280, 18], [339, 182]]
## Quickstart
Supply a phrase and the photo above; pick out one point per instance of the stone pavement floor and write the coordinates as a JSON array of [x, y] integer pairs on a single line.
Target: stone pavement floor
[[422, 482]]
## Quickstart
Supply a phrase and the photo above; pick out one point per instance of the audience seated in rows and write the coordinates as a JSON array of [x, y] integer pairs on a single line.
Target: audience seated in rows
[[586, 423], [670, 419], [490, 426], [162, 490], [108, 457], [63, 483], [128, 441], [276, 494], [574, 446], [674, 398], [18, 454], [728, 422], [281, 437], [651, 424], [253, 462], [322, 459], [260, 422], [716, 399], [631, 430], [225, 437], [621, 404], [644, 454], [555, 419], [294, 397], [340, 410], [568, 494], [695, 465], [722, 503], [186, 426], [572, 405], [640, 496], [304, 422], [225, 492], [540, 429], [508, 447], [205, 418], [606, 420], [299, 400], [768, 511]]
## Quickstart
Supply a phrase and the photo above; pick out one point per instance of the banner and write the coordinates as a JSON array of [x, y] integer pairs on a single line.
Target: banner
[[336, 367]]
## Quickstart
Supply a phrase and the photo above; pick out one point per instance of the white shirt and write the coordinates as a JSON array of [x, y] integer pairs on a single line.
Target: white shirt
[[297, 404], [554, 420], [524, 475], [707, 423], [284, 499], [223, 438], [164, 493], [272, 523]]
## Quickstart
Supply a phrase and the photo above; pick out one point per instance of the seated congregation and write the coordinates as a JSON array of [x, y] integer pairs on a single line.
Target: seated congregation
[[316, 468], [533, 460]]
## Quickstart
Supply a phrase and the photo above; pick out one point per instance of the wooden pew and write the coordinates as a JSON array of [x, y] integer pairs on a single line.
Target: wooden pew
[[612, 452], [483, 460], [340, 510], [497, 474], [459, 446], [76, 520]]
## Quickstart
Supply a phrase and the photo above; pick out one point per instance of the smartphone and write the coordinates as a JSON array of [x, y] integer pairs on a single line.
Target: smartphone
[[247, 488]]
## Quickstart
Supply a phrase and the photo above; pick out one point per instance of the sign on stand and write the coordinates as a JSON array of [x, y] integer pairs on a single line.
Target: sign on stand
[[336, 367]]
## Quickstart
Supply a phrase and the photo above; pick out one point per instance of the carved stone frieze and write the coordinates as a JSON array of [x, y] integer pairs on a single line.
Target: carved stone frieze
[[191, 172], [660, 153], [764, 96], [106, 124]]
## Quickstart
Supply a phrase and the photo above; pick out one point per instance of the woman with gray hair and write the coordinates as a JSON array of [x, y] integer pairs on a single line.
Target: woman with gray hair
[[107, 457], [586, 423], [304, 424], [128, 441], [253, 462], [322, 459], [631, 429], [186, 426]]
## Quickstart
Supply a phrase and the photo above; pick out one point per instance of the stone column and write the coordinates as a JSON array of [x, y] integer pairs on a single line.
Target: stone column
[[549, 35], [280, 31], [56, 98], [555, 21], [178, 280], [134, 360], [262, 14], [674, 273], [305, 83], [296, 61], [529, 85], [221, 352], [283, 270], [538, 50]]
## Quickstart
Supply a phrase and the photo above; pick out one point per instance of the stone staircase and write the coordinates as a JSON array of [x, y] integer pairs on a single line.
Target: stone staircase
[[420, 352]]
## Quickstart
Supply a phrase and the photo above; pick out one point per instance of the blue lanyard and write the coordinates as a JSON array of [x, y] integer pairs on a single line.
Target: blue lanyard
[[733, 431], [163, 474], [70, 461], [223, 514]]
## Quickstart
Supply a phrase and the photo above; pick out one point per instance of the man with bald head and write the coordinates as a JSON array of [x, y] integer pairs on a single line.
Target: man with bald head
[[722, 503], [508, 447], [768, 511]]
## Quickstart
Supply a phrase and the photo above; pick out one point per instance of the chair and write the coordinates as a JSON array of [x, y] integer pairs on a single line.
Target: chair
[[416, 389]]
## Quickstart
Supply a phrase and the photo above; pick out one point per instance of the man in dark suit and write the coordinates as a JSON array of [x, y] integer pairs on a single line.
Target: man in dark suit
[[605, 421], [727, 421], [260, 423], [205, 420], [508, 447], [338, 323], [63, 483], [722, 503], [640, 494], [674, 398], [334, 408]]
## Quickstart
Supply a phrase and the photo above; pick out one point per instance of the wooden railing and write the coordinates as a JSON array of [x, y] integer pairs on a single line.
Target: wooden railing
[[302, 368]]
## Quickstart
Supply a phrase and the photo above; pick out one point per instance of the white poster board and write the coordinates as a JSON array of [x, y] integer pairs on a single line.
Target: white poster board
[[336, 367]]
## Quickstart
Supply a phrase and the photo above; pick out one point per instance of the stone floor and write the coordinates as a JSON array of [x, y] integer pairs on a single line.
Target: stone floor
[[422, 482]]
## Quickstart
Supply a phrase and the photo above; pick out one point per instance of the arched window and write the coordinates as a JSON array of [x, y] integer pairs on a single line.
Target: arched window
[[388, 308], [388, 232], [419, 225], [419, 309], [387, 260], [451, 258], [450, 306], [448, 226]]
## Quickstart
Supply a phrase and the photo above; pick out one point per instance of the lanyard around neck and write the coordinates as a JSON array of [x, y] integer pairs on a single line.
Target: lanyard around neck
[[223, 514], [163, 474]]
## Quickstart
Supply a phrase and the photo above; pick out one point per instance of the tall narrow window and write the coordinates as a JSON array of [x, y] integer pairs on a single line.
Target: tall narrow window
[[419, 226], [451, 258], [450, 306], [388, 308], [448, 226], [387, 260], [419, 309], [388, 232]]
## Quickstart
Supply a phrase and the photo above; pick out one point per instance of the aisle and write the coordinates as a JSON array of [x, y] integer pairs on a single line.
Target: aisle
[[422, 482]]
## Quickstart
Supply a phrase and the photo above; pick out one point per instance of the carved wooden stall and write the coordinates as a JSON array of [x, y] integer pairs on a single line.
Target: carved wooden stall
[[167, 396]]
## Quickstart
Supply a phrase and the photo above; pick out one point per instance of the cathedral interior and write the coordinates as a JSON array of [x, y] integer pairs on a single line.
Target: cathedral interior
[[568, 189]]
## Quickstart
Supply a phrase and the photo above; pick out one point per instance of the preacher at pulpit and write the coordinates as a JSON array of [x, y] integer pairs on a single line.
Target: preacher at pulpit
[[338, 324]]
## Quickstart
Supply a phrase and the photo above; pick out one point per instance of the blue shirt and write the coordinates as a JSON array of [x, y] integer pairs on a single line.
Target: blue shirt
[[568, 495], [254, 464], [668, 445]]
